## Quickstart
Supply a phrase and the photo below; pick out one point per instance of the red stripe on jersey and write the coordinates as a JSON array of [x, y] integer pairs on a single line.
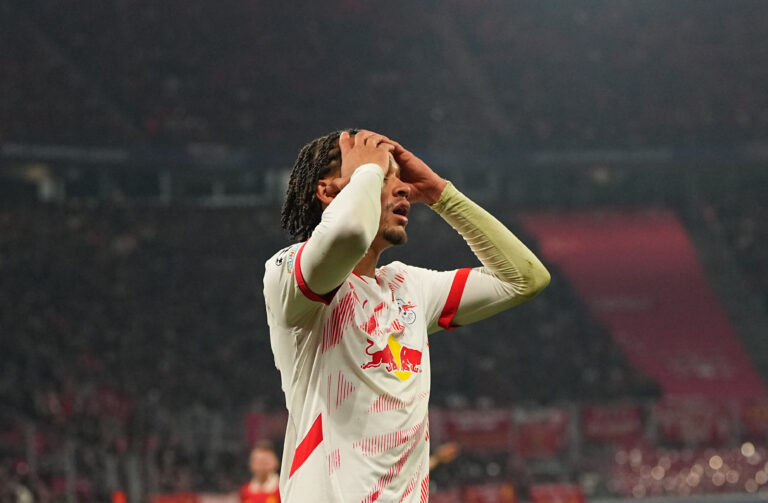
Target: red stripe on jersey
[[308, 445], [337, 322], [454, 297], [397, 281], [377, 444], [334, 461], [390, 474], [344, 388], [373, 322], [411, 486], [424, 490], [308, 293], [385, 402]]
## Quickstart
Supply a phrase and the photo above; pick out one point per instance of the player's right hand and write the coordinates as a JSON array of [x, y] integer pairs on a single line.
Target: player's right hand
[[363, 148]]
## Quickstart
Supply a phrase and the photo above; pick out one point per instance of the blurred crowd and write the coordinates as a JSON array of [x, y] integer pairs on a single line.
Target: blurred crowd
[[133, 336], [648, 471], [740, 219], [128, 327], [525, 74]]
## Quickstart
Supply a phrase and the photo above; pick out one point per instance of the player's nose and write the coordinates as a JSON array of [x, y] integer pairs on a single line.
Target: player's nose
[[402, 189]]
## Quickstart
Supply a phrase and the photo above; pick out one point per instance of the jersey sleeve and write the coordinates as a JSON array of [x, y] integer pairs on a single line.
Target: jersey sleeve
[[345, 232], [462, 296], [441, 294], [511, 274], [303, 277], [286, 295]]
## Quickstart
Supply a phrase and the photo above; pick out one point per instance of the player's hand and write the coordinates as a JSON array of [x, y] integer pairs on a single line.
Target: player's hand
[[426, 185], [447, 452], [362, 148]]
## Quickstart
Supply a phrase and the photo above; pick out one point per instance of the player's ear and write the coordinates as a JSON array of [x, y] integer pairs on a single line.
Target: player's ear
[[326, 191]]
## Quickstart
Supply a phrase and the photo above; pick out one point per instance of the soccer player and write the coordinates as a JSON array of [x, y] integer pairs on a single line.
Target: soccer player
[[350, 338], [263, 486]]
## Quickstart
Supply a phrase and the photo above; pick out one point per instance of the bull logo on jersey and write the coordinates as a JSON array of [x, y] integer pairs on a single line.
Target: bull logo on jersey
[[397, 359]]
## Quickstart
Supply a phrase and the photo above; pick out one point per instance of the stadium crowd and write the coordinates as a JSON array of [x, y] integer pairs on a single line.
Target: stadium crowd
[[133, 336], [529, 75], [740, 219], [125, 325]]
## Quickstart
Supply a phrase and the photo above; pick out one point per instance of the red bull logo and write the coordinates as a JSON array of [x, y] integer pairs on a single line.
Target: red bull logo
[[399, 360]]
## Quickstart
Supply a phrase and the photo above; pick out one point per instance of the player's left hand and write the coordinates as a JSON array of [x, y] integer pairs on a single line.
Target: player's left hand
[[426, 185]]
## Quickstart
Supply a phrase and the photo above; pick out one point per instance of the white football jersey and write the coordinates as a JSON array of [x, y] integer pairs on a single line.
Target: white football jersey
[[355, 371]]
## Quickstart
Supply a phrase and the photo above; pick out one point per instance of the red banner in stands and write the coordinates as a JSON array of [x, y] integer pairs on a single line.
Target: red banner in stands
[[612, 423], [693, 421], [478, 429], [489, 493], [640, 275], [557, 493], [541, 433], [446, 496]]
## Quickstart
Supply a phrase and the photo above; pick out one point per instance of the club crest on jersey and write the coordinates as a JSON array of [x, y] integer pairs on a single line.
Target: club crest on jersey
[[407, 314], [397, 359]]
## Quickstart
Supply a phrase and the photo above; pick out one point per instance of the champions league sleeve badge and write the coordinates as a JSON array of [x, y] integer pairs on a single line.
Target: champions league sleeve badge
[[287, 256]]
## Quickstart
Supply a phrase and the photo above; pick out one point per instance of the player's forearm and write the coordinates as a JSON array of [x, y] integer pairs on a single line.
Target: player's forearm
[[345, 232], [497, 248]]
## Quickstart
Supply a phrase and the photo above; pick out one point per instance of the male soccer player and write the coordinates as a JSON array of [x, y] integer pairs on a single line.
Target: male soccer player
[[350, 339]]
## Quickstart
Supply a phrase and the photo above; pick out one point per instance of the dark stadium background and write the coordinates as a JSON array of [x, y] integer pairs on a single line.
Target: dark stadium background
[[144, 150]]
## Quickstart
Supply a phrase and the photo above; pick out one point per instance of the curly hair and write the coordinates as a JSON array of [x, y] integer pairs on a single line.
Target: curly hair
[[302, 210]]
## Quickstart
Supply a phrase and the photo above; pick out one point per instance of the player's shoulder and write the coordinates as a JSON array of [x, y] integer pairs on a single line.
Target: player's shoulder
[[400, 267], [413, 276], [392, 268], [283, 261], [399, 270]]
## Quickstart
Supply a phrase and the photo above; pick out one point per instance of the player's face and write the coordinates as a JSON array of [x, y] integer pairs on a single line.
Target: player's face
[[262, 462], [394, 207]]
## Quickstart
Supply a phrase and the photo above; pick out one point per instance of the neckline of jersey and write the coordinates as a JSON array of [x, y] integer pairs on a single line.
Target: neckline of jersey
[[364, 278]]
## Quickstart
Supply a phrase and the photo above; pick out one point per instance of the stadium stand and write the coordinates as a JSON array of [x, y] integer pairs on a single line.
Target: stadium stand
[[565, 74], [133, 335], [119, 314]]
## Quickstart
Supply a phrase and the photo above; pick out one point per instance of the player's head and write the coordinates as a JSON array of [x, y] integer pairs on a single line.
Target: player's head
[[317, 159], [321, 159], [263, 460]]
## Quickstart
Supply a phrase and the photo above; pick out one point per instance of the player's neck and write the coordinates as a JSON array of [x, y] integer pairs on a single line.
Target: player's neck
[[367, 266]]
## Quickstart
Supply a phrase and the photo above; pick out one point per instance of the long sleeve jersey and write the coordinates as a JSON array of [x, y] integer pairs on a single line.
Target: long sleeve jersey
[[353, 351]]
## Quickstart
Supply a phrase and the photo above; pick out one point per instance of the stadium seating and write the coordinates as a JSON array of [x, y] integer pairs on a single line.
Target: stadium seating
[[526, 75]]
